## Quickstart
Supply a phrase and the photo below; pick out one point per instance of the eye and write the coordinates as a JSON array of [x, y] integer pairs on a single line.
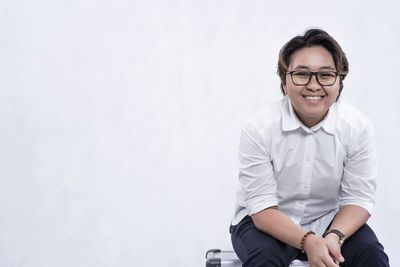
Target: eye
[[301, 74], [327, 74]]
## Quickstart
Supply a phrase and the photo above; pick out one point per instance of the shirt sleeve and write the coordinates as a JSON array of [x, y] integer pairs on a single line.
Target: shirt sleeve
[[256, 171], [359, 175]]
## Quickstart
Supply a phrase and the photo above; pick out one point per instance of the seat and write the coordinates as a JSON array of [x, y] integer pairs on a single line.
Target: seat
[[298, 263], [220, 258]]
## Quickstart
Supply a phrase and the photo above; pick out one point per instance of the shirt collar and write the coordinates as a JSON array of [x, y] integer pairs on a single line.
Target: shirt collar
[[290, 122]]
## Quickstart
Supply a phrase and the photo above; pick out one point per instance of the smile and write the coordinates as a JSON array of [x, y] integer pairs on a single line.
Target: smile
[[313, 97]]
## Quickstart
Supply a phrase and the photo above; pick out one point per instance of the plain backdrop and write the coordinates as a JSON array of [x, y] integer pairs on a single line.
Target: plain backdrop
[[119, 120]]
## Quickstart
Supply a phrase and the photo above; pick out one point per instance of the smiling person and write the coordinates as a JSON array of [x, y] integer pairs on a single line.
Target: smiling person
[[307, 168]]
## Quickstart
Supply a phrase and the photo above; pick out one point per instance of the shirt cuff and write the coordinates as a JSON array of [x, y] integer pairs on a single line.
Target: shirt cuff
[[258, 205]]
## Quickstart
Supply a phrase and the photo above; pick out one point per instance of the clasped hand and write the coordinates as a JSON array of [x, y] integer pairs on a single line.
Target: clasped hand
[[323, 252]]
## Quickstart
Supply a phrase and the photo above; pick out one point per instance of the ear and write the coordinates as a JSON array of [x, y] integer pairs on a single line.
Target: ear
[[284, 88]]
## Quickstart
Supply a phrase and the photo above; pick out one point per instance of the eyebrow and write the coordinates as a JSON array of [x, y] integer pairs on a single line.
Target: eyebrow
[[322, 68]]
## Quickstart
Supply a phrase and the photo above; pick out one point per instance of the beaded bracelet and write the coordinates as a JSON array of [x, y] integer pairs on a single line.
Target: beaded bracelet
[[304, 239]]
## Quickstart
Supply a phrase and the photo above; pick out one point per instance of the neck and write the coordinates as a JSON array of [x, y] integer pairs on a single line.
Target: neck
[[311, 121]]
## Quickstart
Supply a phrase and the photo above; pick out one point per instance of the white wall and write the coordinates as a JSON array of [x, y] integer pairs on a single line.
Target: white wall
[[120, 120]]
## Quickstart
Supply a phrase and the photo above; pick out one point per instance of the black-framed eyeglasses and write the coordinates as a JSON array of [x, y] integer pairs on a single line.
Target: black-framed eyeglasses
[[303, 77]]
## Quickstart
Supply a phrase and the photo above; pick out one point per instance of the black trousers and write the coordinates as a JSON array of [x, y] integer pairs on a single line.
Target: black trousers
[[258, 249]]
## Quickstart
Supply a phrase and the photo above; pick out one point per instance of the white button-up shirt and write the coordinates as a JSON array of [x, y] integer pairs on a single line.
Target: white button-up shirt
[[307, 172]]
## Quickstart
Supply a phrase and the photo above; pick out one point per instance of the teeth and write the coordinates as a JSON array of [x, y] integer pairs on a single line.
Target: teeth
[[313, 97]]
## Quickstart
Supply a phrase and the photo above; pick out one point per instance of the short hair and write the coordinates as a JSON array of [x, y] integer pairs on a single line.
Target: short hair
[[313, 37]]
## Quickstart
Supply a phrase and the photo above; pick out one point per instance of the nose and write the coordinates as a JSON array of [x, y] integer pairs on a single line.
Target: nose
[[313, 84]]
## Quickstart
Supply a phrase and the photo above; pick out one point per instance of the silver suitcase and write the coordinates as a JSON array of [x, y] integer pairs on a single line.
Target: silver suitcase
[[219, 258]]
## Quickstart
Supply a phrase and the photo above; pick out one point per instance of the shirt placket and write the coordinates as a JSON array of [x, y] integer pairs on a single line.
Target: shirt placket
[[306, 174]]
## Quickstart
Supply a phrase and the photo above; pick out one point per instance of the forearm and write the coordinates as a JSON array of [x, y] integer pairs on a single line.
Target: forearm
[[277, 224], [349, 219]]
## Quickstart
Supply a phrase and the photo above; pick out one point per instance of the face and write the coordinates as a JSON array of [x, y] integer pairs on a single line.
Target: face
[[311, 102]]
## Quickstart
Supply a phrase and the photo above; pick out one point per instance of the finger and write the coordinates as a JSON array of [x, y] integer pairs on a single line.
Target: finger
[[337, 259], [319, 265], [331, 262], [336, 255]]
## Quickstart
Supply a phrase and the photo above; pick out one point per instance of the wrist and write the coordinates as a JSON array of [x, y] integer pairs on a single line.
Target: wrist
[[335, 234], [333, 237], [304, 239]]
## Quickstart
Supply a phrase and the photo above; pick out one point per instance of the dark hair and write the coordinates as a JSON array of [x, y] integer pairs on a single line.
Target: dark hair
[[313, 37]]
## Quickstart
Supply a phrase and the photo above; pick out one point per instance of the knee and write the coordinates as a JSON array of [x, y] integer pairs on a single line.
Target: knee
[[374, 252], [372, 248]]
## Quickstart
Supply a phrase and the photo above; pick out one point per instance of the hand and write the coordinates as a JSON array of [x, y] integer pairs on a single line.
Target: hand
[[320, 252], [334, 247]]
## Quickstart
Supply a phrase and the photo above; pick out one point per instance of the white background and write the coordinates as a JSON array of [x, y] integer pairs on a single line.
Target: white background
[[119, 120]]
